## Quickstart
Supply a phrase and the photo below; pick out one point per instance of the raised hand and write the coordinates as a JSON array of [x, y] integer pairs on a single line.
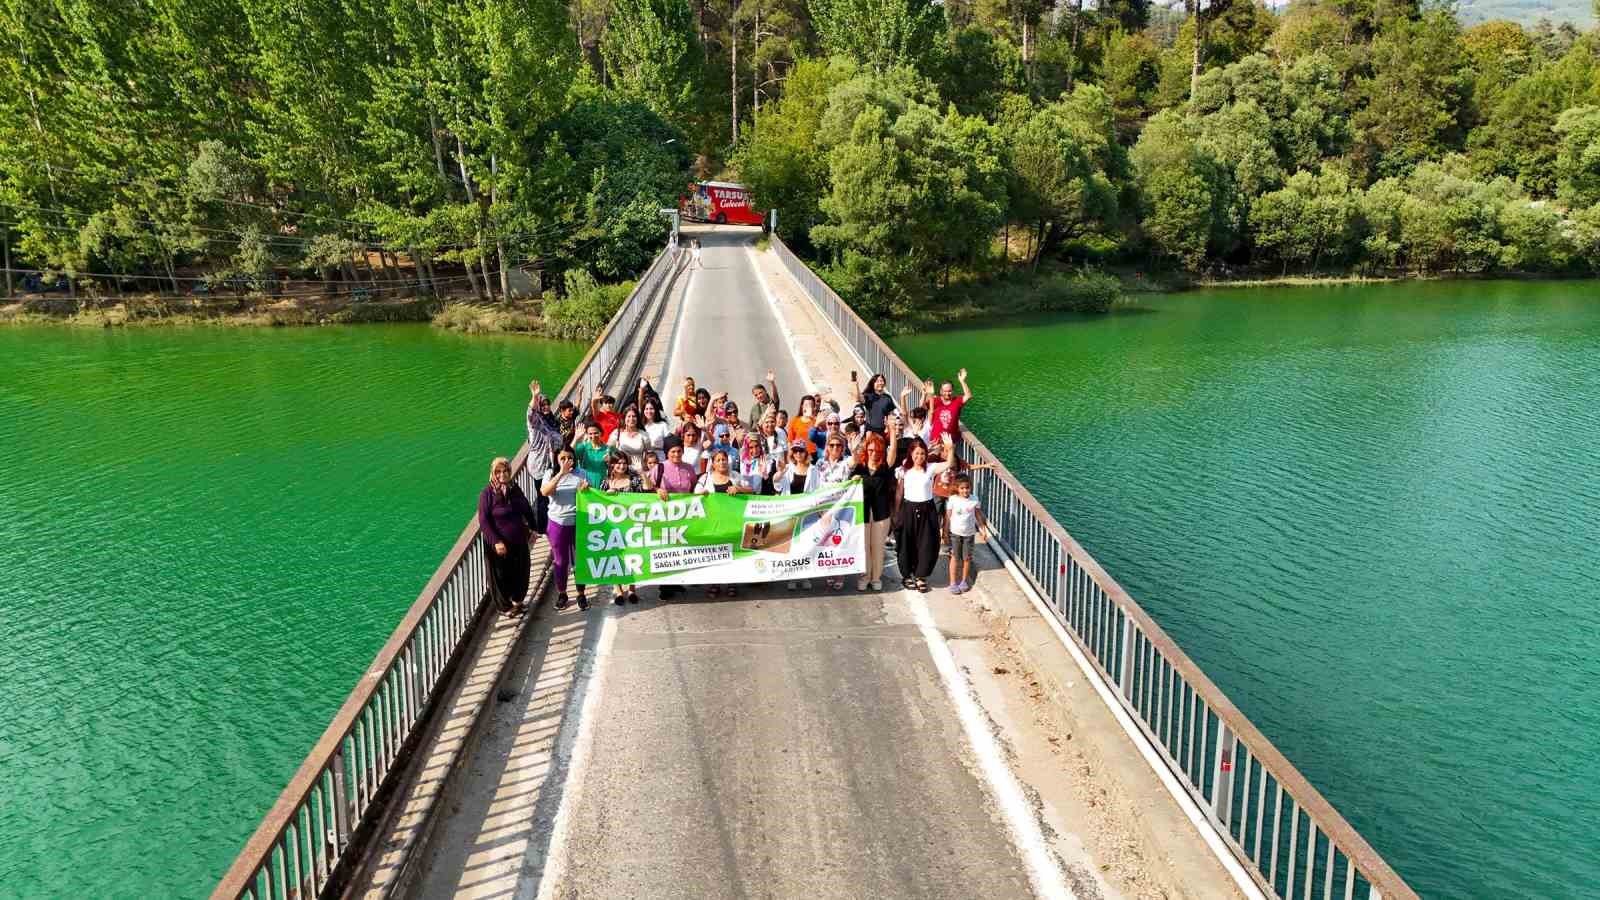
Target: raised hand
[[961, 375], [533, 387], [771, 375]]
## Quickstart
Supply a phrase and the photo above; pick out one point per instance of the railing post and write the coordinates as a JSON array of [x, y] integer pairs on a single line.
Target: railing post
[[1222, 775], [343, 811], [1125, 676]]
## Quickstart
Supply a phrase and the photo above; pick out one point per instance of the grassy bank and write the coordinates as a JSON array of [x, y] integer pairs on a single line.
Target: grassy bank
[[151, 313]]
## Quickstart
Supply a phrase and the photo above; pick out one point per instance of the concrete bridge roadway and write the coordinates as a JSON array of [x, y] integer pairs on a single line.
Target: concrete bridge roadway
[[801, 744]]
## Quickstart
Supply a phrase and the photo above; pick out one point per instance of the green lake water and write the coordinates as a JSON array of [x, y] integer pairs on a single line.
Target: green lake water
[[205, 536], [1372, 515]]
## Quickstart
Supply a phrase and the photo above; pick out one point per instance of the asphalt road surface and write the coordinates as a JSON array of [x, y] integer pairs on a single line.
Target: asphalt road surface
[[781, 744]]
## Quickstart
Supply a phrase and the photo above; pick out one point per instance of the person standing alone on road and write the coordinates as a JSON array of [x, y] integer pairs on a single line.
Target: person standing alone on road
[[695, 252]]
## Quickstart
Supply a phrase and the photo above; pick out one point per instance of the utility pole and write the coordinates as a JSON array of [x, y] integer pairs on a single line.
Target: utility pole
[[733, 67]]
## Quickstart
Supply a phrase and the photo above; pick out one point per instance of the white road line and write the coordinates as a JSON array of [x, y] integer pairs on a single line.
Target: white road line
[[572, 752], [783, 324], [1043, 872]]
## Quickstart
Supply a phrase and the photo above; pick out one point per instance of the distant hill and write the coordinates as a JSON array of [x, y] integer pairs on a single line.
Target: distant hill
[[1527, 12]]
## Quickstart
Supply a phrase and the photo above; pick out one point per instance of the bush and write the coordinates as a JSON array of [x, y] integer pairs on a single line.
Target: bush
[[586, 308], [474, 319], [1083, 291]]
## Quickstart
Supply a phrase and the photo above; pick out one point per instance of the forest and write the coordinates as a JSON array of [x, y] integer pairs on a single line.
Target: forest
[[920, 154]]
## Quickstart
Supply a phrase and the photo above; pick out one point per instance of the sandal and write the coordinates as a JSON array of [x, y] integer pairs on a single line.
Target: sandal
[[714, 591], [733, 591], [633, 596], [922, 586]]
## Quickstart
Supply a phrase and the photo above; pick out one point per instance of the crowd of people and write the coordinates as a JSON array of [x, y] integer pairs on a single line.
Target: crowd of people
[[917, 492]]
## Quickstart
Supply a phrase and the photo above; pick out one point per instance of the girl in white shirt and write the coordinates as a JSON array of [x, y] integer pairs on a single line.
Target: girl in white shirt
[[656, 428], [917, 531], [632, 440]]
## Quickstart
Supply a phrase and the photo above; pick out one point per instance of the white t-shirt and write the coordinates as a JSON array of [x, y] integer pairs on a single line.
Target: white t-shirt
[[633, 446], [563, 509], [658, 432], [963, 514], [691, 455], [919, 482]]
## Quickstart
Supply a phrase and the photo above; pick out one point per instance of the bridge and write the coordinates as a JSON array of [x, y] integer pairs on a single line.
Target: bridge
[[1038, 736]]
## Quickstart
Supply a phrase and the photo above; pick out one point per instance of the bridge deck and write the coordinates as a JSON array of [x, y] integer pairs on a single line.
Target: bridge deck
[[802, 744]]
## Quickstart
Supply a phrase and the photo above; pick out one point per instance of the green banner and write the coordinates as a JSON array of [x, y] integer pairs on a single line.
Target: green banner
[[719, 539]]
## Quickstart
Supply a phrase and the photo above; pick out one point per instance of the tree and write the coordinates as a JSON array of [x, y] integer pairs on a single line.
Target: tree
[[1058, 179], [978, 70], [1577, 166], [879, 34], [1129, 71], [648, 51], [912, 192], [1310, 219], [1183, 191], [1415, 97], [783, 161]]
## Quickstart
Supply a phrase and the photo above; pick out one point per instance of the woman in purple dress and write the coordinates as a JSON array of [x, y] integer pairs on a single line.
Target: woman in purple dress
[[507, 521]]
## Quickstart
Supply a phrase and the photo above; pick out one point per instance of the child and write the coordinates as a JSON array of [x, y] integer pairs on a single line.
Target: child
[[962, 520]]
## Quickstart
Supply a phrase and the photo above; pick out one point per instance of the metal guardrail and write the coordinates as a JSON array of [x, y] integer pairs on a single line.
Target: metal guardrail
[[309, 841], [1231, 770]]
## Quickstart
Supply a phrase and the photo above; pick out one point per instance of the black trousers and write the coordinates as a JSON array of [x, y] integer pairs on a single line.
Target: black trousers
[[541, 508], [508, 575], [916, 543]]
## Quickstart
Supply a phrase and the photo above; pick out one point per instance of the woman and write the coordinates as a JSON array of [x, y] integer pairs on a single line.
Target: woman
[[621, 479], [694, 446], [719, 479], [756, 465], [656, 428], [562, 532], [799, 476], [876, 471], [506, 519], [834, 468], [876, 404], [631, 439], [917, 534], [684, 409], [801, 423], [674, 476]]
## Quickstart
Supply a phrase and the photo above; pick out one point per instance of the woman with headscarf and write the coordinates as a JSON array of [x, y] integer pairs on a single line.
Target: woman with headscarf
[[506, 519]]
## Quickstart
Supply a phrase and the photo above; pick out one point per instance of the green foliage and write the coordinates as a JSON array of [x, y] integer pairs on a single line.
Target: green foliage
[[913, 192], [1129, 72], [978, 71], [585, 306], [1184, 191], [1578, 156], [647, 48], [1058, 160], [782, 160], [1312, 219], [1416, 96], [879, 34]]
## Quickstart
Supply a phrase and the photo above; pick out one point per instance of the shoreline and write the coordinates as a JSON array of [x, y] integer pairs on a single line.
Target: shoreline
[[448, 314]]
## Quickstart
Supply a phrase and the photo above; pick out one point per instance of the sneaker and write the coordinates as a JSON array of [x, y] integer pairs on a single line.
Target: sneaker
[[875, 585], [861, 584], [960, 587], [583, 602], [617, 597], [561, 600], [633, 596], [792, 586]]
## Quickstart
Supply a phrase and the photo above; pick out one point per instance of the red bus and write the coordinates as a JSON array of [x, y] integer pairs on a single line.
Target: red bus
[[721, 202]]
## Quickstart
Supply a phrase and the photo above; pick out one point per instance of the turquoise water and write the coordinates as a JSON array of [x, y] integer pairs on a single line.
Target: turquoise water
[[1371, 514], [205, 536]]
